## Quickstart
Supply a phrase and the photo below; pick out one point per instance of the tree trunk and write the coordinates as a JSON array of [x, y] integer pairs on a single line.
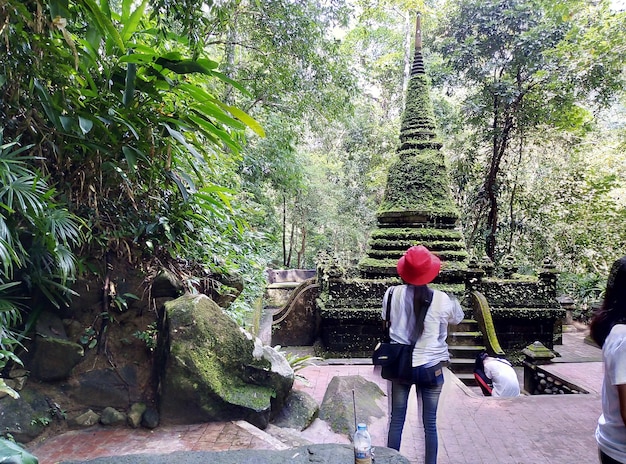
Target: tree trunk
[[501, 127], [284, 229], [513, 193], [291, 234], [302, 246]]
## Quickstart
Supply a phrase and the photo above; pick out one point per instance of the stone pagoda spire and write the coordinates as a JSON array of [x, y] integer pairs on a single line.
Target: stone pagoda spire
[[418, 207]]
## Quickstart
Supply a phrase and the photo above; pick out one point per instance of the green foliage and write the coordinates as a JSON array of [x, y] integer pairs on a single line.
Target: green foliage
[[43, 421], [121, 301], [135, 121], [36, 239], [512, 62], [89, 338], [298, 362], [570, 205], [586, 290], [12, 452], [136, 141], [148, 336]]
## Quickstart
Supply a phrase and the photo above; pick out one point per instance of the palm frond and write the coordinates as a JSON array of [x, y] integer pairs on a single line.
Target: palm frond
[[64, 226], [24, 194]]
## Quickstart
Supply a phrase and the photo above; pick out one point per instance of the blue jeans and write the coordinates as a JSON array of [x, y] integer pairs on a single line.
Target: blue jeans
[[604, 459], [398, 406]]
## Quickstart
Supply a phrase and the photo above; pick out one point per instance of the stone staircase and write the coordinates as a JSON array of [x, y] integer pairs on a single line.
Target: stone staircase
[[465, 341]]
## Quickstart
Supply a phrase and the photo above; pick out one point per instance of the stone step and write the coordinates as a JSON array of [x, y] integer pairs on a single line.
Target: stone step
[[465, 351], [272, 442], [464, 338], [290, 438], [466, 325], [467, 378], [462, 365]]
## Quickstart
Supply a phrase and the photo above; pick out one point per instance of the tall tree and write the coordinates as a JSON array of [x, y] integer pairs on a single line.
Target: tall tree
[[507, 57], [299, 81]]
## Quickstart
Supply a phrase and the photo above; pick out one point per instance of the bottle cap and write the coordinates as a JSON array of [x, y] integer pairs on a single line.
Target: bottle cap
[[361, 427]]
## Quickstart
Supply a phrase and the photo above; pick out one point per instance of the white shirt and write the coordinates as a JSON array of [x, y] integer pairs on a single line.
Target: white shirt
[[503, 377], [431, 347], [611, 431]]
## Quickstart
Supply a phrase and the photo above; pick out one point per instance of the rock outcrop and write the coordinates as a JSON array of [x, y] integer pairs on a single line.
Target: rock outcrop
[[214, 370]]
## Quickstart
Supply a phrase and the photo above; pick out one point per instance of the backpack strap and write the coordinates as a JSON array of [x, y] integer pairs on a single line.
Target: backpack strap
[[387, 320]]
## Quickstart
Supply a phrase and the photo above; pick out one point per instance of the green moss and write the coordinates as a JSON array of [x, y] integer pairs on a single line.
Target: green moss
[[447, 255], [368, 262], [384, 243], [204, 344], [251, 396], [418, 111], [534, 314], [418, 234], [419, 183], [485, 322]]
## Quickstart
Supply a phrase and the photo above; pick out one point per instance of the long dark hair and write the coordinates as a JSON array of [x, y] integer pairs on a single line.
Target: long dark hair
[[613, 308], [422, 297]]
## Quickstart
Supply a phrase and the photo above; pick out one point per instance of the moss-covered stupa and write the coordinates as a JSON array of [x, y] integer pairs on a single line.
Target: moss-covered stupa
[[418, 207]]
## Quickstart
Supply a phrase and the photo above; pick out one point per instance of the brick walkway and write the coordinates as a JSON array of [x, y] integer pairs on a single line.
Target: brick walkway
[[473, 429]]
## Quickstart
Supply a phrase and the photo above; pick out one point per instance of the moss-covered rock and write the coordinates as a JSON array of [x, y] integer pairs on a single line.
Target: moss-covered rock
[[216, 371], [343, 394]]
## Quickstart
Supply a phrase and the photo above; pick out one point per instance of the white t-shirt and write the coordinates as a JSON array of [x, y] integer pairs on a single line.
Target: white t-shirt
[[431, 347], [611, 431], [503, 377]]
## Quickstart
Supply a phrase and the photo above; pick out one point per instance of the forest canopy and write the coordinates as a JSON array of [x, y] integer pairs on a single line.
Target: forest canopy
[[239, 135]]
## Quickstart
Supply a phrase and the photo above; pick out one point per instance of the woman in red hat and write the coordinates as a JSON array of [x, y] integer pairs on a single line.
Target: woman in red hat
[[608, 329], [420, 315]]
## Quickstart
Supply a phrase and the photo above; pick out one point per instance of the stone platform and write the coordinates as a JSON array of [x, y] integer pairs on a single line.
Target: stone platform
[[473, 429]]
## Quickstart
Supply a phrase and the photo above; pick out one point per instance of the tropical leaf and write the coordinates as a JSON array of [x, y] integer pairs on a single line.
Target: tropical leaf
[[132, 20], [178, 136], [245, 118], [230, 81], [103, 22], [12, 452], [182, 66], [24, 193], [85, 124], [129, 89]]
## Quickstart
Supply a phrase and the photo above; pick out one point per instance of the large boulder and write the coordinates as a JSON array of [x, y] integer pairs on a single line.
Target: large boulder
[[343, 395], [299, 411], [24, 418], [54, 355], [214, 370]]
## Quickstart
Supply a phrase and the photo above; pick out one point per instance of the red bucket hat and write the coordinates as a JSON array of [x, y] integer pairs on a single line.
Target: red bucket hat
[[418, 266]]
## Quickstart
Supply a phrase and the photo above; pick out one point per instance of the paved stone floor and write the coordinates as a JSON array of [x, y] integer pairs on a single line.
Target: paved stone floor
[[472, 429]]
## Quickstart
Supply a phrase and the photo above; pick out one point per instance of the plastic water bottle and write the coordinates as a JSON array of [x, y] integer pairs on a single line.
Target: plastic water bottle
[[362, 445]]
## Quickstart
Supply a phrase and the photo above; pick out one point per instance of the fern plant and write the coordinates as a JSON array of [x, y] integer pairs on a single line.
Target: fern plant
[[36, 238], [299, 362]]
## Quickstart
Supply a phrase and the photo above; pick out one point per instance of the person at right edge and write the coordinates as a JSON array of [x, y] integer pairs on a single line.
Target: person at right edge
[[420, 315], [608, 330]]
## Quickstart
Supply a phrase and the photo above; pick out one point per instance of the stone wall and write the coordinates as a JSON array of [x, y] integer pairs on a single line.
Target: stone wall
[[524, 308], [538, 381], [350, 313], [519, 327]]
